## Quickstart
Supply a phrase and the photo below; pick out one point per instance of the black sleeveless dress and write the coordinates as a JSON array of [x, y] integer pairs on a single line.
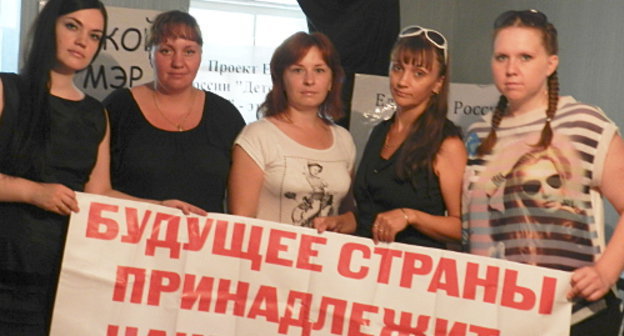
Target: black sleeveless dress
[[377, 188], [32, 239], [191, 166]]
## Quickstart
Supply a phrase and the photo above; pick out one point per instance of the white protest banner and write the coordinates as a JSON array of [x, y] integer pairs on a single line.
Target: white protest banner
[[138, 269], [372, 102], [123, 60]]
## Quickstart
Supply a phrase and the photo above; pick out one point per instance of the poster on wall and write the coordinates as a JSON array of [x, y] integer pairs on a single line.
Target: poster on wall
[[123, 60], [372, 103], [139, 269], [238, 73]]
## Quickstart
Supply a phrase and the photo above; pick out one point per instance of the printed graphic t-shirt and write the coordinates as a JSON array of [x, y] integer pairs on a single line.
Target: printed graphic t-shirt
[[300, 183], [533, 205]]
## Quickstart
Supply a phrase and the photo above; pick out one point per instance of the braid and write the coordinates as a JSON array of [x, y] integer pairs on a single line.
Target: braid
[[486, 146], [553, 100]]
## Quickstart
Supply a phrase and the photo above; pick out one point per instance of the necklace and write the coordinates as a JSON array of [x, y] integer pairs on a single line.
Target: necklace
[[388, 141], [178, 125], [399, 138]]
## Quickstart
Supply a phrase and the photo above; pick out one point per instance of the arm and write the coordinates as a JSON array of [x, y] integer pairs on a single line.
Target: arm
[[52, 197], [343, 223], [449, 167], [100, 180], [244, 184], [348, 202], [594, 282]]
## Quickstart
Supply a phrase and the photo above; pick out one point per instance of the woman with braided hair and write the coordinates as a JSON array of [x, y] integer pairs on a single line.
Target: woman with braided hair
[[537, 168]]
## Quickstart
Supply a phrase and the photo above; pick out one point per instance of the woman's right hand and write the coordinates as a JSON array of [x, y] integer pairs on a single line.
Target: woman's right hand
[[344, 223], [55, 198], [186, 208]]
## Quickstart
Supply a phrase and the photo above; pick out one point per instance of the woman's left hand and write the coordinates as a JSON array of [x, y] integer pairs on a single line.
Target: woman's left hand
[[588, 283], [186, 208], [388, 224]]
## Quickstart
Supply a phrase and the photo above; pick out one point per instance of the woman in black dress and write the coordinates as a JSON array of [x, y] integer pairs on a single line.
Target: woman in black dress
[[408, 183], [50, 132], [168, 138]]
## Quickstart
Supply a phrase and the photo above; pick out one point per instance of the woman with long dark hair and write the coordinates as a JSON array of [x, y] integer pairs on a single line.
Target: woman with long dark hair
[[407, 187], [50, 133]]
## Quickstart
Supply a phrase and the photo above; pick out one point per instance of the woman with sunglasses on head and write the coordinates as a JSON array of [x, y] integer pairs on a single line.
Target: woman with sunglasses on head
[[408, 183], [295, 164], [50, 134], [558, 157]]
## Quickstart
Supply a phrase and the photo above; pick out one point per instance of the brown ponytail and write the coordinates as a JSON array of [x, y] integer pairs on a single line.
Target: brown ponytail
[[486, 146], [553, 100]]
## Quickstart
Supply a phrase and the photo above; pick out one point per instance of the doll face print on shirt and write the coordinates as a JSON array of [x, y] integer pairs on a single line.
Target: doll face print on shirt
[[532, 204]]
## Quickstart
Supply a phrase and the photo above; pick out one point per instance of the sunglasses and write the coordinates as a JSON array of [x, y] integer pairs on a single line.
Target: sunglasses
[[436, 38], [532, 187], [530, 17]]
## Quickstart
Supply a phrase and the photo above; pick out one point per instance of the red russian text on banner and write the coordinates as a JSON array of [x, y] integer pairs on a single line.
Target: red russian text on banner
[[138, 269]]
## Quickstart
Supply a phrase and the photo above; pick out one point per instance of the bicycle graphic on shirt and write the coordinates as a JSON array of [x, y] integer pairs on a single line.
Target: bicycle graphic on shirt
[[319, 202]]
